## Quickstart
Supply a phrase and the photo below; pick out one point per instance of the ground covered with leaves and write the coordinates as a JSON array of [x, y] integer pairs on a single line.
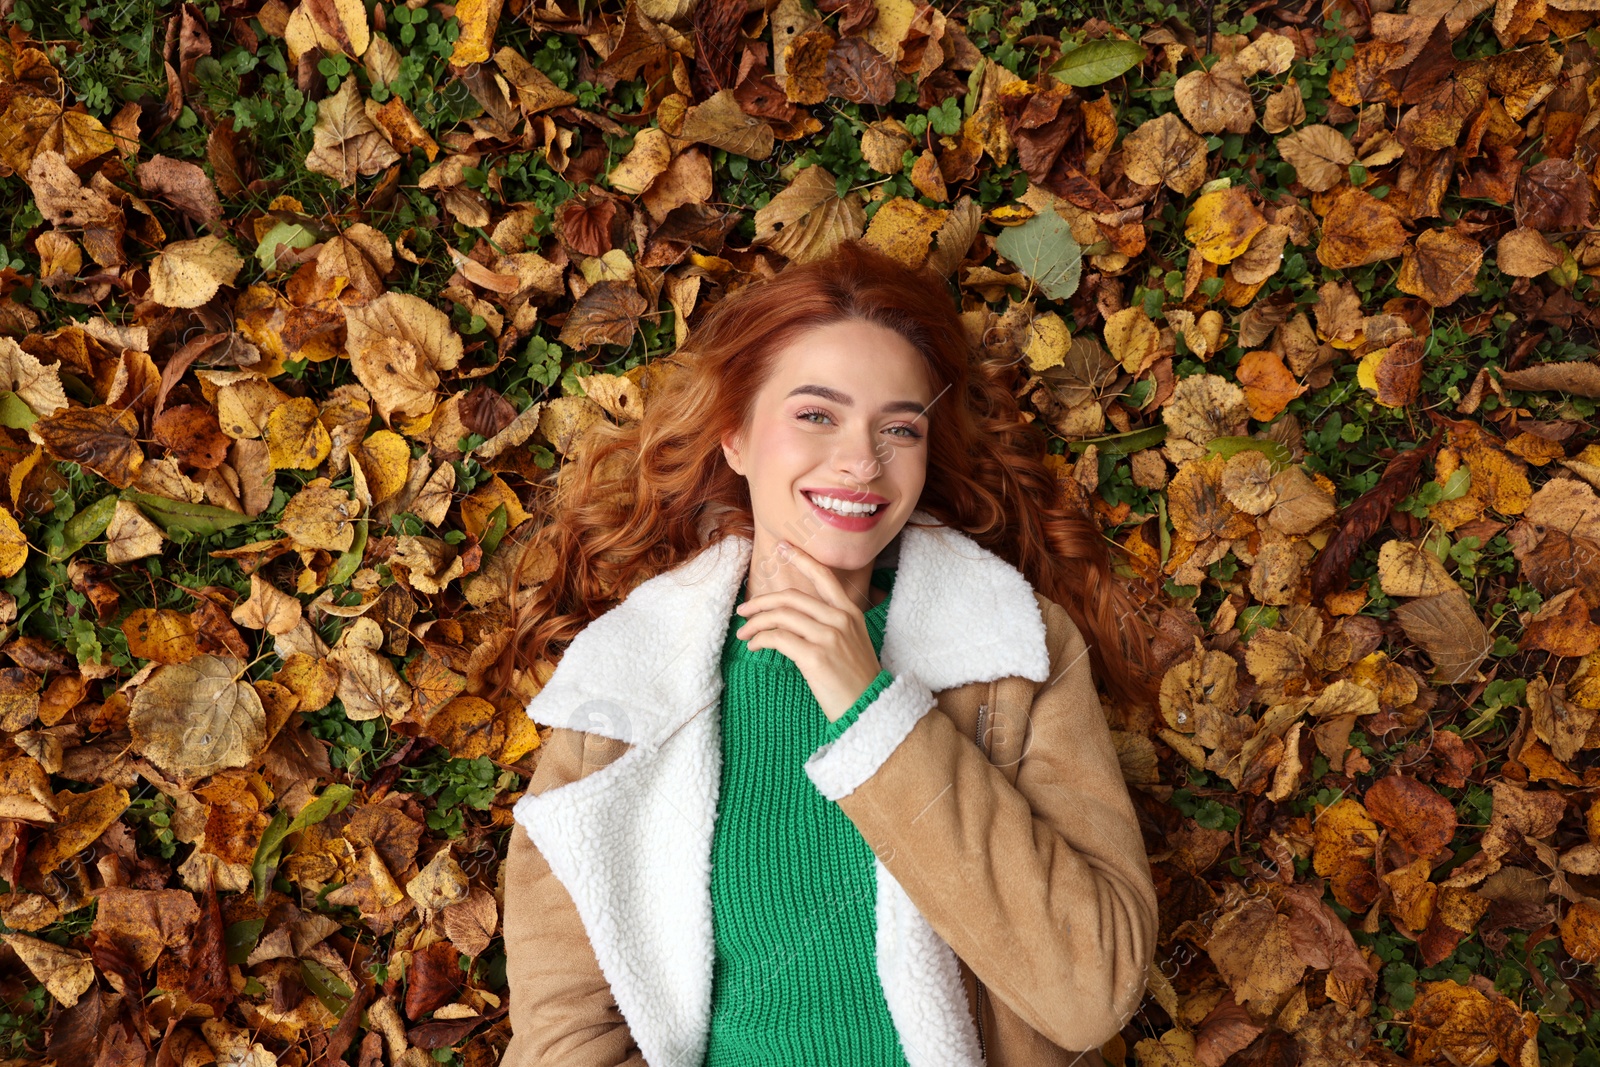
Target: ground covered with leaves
[[302, 309]]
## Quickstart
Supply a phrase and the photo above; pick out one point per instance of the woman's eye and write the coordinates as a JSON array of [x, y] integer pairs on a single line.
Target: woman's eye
[[910, 434]]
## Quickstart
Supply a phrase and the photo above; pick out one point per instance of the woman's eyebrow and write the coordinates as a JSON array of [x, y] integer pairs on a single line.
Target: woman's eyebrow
[[829, 393]]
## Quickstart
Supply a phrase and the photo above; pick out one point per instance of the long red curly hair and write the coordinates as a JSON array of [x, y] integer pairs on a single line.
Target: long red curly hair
[[648, 494]]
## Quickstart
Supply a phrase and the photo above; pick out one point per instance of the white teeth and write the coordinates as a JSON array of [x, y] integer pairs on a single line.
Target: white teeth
[[843, 507]]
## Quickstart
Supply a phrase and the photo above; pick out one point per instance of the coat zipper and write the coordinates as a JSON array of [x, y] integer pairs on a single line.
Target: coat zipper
[[978, 738], [982, 1051]]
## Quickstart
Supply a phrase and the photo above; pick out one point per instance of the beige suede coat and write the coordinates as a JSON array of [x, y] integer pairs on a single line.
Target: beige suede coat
[[1015, 911]]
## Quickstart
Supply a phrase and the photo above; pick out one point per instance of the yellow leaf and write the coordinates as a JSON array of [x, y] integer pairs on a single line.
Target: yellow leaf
[[1048, 338], [196, 718], [65, 972], [1222, 223], [476, 508], [161, 635], [188, 273], [13, 545], [904, 229], [478, 19], [296, 438], [1132, 338], [385, 461]]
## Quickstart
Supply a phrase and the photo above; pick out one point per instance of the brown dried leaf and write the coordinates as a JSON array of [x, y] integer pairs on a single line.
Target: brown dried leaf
[[1321, 156], [1215, 100], [1449, 631], [721, 123], [102, 438], [608, 313], [1442, 267], [1164, 150], [808, 219], [196, 718], [345, 142], [1359, 229]]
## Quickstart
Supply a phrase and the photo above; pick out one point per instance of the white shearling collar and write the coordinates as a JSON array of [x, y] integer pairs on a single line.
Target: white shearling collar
[[636, 673]]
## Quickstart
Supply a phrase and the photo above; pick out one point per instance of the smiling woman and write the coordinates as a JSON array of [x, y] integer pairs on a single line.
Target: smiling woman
[[829, 780]]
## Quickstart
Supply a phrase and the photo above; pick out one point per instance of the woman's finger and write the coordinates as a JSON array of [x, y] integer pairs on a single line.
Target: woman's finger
[[827, 584], [802, 624], [796, 600]]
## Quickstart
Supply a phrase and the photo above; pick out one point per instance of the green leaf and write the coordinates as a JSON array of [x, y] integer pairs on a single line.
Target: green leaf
[[265, 865], [84, 527], [1257, 616], [1123, 444], [329, 987], [333, 800], [284, 233], [14, 413], [201, 519], [1457, 484], [1097, 62], [240, 939], [1228, 447], [494, 530], [346, 564], [1044, 249]]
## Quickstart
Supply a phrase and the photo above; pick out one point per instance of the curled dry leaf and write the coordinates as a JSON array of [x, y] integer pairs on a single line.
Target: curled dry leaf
[[1575, 377], [66, 973]]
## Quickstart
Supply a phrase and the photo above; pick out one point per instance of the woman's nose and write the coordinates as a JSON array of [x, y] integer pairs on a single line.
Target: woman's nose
[[858, 459]]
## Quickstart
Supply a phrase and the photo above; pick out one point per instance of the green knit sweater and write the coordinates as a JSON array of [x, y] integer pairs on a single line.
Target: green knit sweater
[[792, 884]]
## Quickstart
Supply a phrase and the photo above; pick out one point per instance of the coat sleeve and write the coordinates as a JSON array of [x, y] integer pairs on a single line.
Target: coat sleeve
[[562, 1011], [1042, 887]]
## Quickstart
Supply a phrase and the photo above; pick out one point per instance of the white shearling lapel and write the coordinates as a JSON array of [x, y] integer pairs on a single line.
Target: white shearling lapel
[[632, 842], [636, 673]]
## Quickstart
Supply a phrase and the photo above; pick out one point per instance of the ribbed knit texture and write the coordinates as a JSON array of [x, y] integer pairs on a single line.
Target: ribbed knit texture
[[792, 884]]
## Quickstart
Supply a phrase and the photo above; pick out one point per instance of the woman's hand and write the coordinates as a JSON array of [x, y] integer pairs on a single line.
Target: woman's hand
[[826, 634]]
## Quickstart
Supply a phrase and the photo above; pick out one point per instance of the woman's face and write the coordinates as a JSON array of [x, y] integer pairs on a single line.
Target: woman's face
[[844, 415]]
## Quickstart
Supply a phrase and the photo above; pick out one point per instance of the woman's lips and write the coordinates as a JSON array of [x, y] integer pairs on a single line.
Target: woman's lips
[[851, 523]]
